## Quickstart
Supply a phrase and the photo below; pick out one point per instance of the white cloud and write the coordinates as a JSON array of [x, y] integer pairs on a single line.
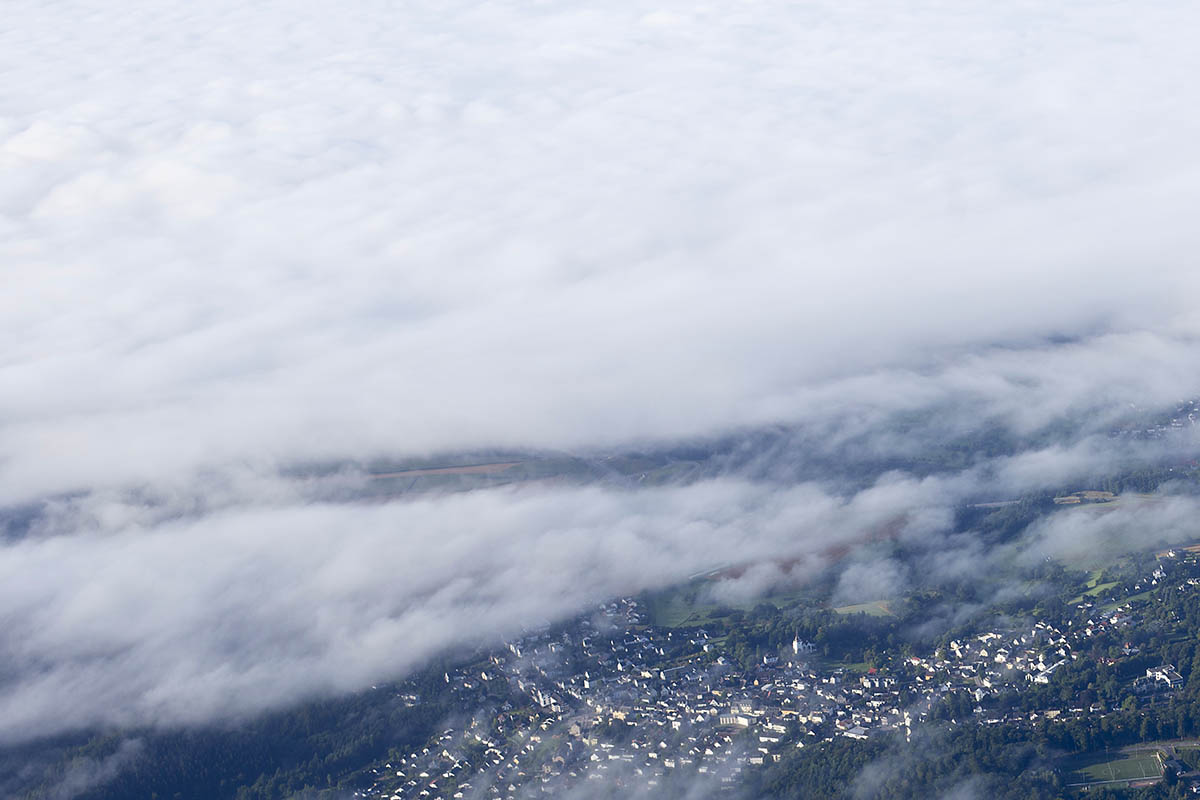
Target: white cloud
[[238, 235], [137, 620], [260, 232]]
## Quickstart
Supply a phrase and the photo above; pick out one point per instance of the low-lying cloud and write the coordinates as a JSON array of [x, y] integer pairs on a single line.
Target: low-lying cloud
[[241, 237], [254, 607], [119, 612]]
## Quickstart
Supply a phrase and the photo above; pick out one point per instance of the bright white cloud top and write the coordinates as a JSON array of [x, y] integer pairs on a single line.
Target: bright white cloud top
[[262, 233], [263, 230]]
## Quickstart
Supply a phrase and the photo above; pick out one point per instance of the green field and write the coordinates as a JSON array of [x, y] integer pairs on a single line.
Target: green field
[[683, 608], [876, 608], [1093, 588], [691, 605], [1096, 767], [677, 612]]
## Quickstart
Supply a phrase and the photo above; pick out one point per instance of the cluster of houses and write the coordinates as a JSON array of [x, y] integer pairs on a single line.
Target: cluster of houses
[[1185, 415], [617, 700]]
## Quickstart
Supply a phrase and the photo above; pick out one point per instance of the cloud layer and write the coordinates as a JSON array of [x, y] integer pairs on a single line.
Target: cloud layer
[[122, 613], [240, 236], [223, 615], [257, 232]]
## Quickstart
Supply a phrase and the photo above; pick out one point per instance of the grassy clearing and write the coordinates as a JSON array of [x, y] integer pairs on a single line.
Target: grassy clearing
[[875, 608], [693, 606], [665, 610], [683, 611], [676, 612], [1093, 588], [1096, 767]]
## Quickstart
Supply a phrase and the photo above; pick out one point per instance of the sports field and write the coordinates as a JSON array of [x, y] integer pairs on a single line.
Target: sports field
[[1097, 767]]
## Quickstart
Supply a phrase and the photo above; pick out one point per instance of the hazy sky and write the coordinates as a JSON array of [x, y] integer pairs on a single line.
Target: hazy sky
[[234, 236]]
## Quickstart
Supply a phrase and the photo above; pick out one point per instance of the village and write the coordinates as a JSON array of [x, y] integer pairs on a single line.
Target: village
[[616, 699]]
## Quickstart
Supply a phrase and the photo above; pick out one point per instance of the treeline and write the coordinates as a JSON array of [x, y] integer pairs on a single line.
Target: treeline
[[316, 748], [766, 630], [995, 762]]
